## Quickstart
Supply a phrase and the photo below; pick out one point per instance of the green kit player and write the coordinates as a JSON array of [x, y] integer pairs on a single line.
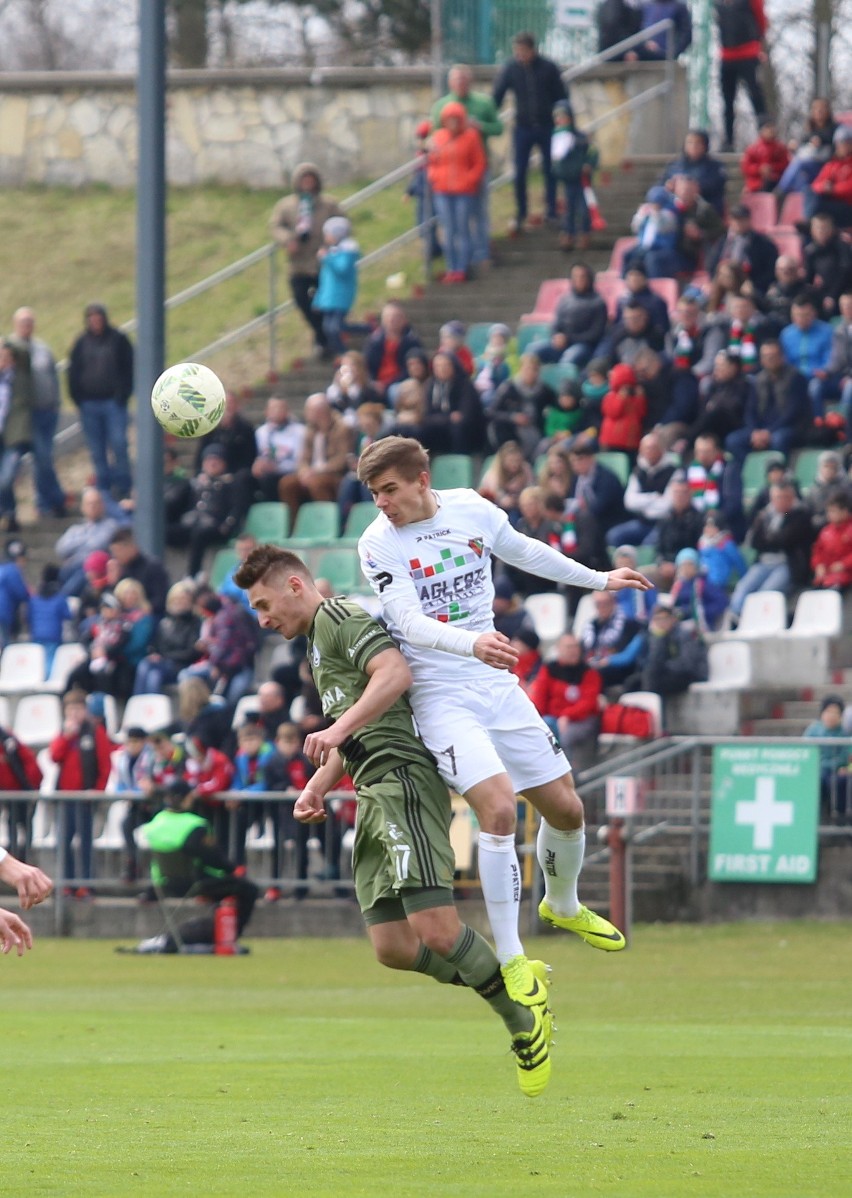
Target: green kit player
[[403, 862]]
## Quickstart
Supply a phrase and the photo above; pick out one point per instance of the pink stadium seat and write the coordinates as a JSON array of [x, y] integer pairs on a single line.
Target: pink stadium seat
[[792, 209], [622, 245], [609, 286], [788, 243], [763, 207], [666, 289], [549, 294]]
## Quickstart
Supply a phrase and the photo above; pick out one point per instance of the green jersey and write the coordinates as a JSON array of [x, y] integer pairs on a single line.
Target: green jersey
[[342, 640]]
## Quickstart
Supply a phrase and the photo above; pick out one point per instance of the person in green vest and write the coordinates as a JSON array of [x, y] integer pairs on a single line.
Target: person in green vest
[[482, 115], [184, 857]]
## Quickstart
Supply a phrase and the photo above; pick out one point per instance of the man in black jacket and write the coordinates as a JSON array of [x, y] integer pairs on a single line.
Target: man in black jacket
[[150, 573], [675, 656], [537, 85], [781, 534], [828, 264], [754, 252], [100, 380]]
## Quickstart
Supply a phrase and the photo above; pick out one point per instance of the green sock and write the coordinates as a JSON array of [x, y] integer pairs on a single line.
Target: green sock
[[479, 968], [436, 967]]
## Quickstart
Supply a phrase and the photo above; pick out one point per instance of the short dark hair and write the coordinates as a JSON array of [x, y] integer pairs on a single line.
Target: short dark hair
[[268, 560], [804, 299], [838, 498], [123, 536], [524, 38]]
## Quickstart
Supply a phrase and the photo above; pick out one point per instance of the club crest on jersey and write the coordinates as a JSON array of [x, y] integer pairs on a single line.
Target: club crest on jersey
[[315, 657], [477, 546]]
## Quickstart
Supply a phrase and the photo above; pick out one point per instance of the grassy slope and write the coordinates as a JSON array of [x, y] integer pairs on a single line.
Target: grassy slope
[[62, 248], [705, 1061]]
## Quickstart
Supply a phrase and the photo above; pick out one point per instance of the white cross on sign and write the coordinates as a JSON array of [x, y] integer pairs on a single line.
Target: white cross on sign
[[765, 813]]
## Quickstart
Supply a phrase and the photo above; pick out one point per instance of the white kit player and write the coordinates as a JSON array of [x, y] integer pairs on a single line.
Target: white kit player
[[428, 558]]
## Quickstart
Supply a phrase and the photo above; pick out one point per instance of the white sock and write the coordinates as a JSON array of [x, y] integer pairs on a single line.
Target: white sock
[[560, 855], [500, 876]]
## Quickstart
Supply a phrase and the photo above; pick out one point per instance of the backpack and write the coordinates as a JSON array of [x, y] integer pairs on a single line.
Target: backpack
[[624, 720]]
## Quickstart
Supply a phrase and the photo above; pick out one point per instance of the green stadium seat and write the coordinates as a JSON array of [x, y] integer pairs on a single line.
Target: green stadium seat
[[476, 337], [754, 470], [268, 522], [805, 467], [485, 467], [361, 516], [618, 463], [316, 524], [452, 470], [554, 373], [527, 333], [342, 569], [223, 563], [646, 555]]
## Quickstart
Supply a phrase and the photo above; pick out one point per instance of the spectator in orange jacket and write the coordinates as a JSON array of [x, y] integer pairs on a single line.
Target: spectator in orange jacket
[[765, 160], [831, 556], [566, 692], [624, 410], [457, 164], [831, 190]]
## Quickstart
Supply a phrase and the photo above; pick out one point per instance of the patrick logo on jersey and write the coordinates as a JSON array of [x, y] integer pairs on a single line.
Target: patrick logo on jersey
[[447, 584]]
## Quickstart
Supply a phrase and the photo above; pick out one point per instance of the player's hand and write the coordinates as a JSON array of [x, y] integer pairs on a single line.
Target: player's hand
[[32, 885], [495, 649], [625, 579], [14, 933], [318, 745], [309, 808]]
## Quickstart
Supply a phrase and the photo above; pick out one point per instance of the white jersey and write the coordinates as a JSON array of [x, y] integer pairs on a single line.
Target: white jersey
[[433, 580]]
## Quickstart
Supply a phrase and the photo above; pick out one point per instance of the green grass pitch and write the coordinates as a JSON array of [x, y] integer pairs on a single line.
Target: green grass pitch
[[705, 1061]]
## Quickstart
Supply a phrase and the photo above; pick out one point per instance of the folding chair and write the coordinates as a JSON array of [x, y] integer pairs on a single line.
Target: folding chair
[[174, 884]]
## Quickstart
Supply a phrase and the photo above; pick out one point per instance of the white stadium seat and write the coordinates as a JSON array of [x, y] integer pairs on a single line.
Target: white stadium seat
[[246, 706], [764, 614], [818, 613], [38, 718], [729, 667], [150, 712], [67, 656], [549, 614], [585, 612], [22, 668]]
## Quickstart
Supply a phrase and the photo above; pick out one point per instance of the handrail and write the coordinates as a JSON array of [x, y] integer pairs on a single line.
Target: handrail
[[627, 43]]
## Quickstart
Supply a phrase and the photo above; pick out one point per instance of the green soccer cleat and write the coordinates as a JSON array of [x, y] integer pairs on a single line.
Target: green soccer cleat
[[532, 1058], [592, 928], [524, 983]]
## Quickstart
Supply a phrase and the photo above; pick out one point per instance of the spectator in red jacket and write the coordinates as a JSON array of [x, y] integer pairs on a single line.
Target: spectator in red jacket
[[624, 410], [457, 164], [566, 692], [831, 556], [18, 771], [831, 190], [209, 772], [765, 160], [83, 753]]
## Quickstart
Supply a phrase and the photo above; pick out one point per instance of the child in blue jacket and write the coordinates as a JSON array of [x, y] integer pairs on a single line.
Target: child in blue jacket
[[338, 282], [47, 611]]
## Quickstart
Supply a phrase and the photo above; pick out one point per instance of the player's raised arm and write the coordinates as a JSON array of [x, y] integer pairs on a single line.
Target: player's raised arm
[[534, 557]]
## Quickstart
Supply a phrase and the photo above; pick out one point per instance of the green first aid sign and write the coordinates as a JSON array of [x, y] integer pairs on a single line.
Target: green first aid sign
[[764, 813]]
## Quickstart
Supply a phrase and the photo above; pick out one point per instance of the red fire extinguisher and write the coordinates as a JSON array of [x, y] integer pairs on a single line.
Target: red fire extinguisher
[[225, 928]]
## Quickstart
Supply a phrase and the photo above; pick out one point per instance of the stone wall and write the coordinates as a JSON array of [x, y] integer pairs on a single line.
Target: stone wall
[[251, 128]]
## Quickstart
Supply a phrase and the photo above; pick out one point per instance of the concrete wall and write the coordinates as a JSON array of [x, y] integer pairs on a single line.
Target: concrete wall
[[251, 128]]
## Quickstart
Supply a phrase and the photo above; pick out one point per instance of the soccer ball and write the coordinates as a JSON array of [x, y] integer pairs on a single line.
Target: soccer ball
[[188, 399]]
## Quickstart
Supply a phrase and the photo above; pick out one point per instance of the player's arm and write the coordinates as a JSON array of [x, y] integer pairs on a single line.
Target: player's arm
[[388, 576], [32, 885], [309, 808], [534, 557], [388, 678], [14, 933]]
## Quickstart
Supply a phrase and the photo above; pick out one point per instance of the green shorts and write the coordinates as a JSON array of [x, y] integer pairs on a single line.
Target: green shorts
[[402, 839]]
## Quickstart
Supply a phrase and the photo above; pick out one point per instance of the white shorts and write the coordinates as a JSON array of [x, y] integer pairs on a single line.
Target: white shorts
[[475, 734]]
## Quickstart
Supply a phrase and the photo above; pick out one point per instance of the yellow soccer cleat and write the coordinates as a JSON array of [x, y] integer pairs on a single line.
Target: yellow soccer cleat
[[532, 1058], [592, 928], [523, 983]]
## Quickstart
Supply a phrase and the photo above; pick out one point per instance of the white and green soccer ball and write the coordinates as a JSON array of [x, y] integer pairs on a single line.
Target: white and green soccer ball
[[188, 399]]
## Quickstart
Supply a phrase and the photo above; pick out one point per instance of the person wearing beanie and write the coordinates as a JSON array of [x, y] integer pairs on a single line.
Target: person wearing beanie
[[218, 509], [831, 190], [100, 381], [528, 664], [338, 283], [451, 340], [656, 227], [47, 613], [693, 596], [834, 760], [573, 159], [491, 368]]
